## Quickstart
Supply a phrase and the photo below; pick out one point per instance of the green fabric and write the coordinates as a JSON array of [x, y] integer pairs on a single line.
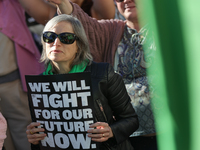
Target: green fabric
[[175, 25], [76, 68]]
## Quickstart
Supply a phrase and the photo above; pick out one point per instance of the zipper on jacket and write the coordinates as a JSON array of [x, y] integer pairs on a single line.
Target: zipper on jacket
[[107, 146], [101, 108]]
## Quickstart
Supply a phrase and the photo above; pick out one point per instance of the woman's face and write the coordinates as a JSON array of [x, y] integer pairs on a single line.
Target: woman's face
[[128, 9], [57, 51]]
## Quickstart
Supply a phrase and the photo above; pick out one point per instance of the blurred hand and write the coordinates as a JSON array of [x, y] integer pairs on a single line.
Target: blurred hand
[[63, 6], [101, 132], [32, 133], [57, 2]]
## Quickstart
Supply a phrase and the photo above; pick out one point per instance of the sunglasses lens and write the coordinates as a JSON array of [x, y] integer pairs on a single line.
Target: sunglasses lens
[[67, 38], [49, 37]]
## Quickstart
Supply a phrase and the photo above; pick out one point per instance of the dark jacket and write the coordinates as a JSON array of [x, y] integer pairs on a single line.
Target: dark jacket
[[112, 105]]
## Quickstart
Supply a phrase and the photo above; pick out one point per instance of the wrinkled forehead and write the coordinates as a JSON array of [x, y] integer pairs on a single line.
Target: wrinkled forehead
[[61, 27]]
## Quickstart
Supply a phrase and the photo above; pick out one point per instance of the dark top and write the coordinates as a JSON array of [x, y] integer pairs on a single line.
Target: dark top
[[112, 105]]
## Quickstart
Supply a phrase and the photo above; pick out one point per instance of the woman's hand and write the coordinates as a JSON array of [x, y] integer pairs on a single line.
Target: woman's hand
[[32, 133], [57, 2], [63, 6], [101, 132]]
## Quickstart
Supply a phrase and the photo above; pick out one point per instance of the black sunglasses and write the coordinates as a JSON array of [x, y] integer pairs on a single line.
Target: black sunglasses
[[119, 1], [65, 37]]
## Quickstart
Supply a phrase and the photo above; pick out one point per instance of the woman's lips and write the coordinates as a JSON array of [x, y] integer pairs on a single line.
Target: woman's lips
[[129, 7], [56, 51]]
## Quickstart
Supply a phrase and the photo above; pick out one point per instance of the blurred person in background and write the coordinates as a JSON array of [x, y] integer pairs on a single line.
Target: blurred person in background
[[19, 57]]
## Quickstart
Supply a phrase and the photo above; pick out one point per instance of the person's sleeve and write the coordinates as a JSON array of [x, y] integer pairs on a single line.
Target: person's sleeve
[[124, 113], [35, 147], [3, 128], [101, 34]]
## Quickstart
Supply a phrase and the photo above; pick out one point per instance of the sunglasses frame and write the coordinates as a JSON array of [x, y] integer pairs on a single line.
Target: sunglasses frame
[[119, 1], [59, 36]]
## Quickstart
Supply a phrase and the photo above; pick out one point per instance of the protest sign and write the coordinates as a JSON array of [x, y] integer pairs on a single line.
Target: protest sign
[[63, 105]]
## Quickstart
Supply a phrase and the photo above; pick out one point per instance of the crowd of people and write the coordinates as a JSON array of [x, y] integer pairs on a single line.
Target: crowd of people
[[78, 36]]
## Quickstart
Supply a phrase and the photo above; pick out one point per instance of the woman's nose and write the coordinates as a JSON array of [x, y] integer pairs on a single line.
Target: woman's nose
[[57, 41]]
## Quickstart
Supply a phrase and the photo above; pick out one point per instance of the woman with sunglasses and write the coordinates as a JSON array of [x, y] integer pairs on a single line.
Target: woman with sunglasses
[[66, 50], [121, 44]]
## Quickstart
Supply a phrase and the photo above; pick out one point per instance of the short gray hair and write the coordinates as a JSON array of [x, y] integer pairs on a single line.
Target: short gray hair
[[82, 42]]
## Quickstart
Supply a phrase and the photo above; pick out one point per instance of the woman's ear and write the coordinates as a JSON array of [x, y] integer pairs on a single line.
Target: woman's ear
[[77, 51]]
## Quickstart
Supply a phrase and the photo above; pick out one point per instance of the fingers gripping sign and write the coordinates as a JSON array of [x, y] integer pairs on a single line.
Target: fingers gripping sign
[[33, 133], [101, 132]]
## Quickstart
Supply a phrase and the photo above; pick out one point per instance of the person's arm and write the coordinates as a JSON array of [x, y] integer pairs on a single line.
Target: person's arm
[[40, 10], [123, 111], [3, 128], [103, 9]]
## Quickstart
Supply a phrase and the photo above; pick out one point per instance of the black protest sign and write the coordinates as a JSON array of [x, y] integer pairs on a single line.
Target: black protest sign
[[64, 107]]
